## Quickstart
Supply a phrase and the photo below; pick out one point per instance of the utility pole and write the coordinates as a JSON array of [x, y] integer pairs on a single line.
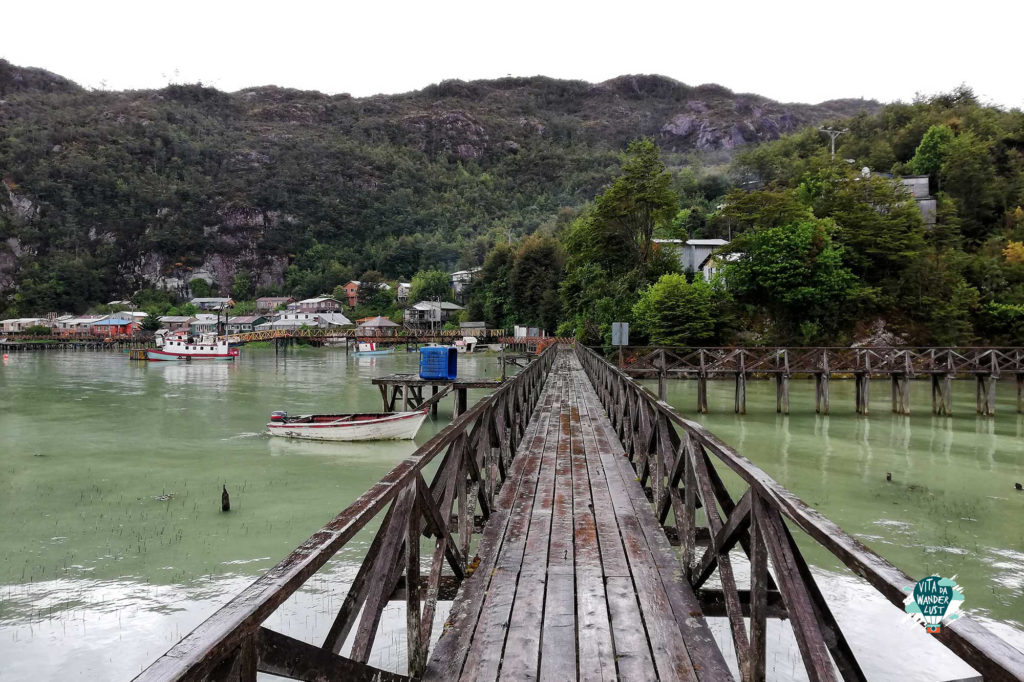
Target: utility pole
[[832, 135]]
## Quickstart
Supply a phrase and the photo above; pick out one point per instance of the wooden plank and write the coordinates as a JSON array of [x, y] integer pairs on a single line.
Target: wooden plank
[[448, 656], [596, 654], [528, 580], [701, 658], [285, 656], [668, 652]]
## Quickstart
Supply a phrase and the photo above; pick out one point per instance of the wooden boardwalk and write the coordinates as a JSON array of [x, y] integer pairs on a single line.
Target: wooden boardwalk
[[577, 477], [573, 554]]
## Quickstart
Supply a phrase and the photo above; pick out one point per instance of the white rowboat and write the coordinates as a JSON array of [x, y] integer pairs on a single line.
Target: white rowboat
[[348, 427]]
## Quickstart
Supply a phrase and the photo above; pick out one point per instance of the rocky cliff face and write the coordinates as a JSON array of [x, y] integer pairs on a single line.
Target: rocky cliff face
[[147, 188]]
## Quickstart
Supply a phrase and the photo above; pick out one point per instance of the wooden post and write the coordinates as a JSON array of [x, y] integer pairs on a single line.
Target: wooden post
[[405, 397], [863, 386], [433, 408], [987, 395], [460, 401], [901, 394], [942, 394], [1020, 393], [782, 393], [741, 393], [741, 387], [662, 376], [702, 386], [821, 393], [416, 647]]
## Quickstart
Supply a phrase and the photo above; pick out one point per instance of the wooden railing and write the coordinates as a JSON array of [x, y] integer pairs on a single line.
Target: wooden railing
[[677, 458], [899, 364], [651, 360], [475, 453]]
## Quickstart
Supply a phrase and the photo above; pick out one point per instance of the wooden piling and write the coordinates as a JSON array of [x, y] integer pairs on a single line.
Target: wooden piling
[[782, 393], [862, 383], [1020, 393], [741, 387], [702, 386], [662, 376], [942, 395], [986, 395], [900, 394], [460, 401]]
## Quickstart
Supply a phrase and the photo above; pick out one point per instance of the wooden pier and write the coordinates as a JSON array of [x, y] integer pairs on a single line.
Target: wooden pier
[[901, 365], [407, 391], [582, 481]]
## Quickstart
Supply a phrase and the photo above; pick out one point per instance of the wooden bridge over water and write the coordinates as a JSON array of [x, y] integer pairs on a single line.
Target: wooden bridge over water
[[941, 365], [604, 513]]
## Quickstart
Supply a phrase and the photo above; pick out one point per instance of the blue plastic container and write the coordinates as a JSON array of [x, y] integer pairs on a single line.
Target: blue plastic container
[[438, 363]]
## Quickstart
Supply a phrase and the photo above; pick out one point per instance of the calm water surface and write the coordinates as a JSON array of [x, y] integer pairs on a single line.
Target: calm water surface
[[113, 546]]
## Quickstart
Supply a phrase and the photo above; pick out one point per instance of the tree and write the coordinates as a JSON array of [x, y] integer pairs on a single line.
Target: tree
[[151, 323], [430, 284], [241, 288], [617, 232], [674, 312], [796, 273], [370, 282], [931, 153], [876, 218], [200, 288], [743, 211], [534, 281]]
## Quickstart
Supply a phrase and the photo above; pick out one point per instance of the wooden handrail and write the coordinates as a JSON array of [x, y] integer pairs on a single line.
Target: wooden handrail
[[682, 477], [477, 449]]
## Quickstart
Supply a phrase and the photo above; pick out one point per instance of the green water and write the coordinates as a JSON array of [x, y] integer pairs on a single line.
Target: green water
[[951, 507], [113, 545]]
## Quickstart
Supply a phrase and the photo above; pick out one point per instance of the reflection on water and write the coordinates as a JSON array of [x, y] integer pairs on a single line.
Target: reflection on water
[[114, 546]]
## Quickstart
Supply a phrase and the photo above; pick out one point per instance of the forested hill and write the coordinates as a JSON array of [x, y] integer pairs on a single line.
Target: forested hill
[[109, 192]]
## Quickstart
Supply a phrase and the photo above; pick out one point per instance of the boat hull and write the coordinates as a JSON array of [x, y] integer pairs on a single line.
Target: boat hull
[[154, 354], [389, 351], [396, 426]]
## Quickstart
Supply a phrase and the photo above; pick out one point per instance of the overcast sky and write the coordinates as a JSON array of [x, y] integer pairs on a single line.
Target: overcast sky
[[791, 50]]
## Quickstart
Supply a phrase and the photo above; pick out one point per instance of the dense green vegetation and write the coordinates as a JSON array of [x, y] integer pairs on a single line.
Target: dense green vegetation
[[274, 190], [822, 252], [189, 191]]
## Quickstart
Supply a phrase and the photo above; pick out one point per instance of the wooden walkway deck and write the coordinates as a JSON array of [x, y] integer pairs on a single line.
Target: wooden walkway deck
[[573, 555], [574, 576]]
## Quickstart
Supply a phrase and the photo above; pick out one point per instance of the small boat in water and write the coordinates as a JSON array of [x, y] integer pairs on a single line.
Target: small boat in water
[[182, 346], [347, 427], [371, 348]]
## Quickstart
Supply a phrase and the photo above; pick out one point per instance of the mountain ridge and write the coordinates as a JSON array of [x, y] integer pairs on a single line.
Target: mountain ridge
[[130, 189]]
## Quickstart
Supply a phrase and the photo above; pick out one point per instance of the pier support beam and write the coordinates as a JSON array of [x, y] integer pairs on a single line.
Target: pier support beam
[[782, 393], [702, 393], [1020, 393], [460, 402], [862, 383], [987, 395], [821, 395], [942, 395], [901, 394], [741, 393]]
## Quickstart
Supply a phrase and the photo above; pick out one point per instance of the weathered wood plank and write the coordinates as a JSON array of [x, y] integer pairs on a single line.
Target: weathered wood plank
[[596, 654], [285, 656], [683, 646], [521, 658], [449, 655]]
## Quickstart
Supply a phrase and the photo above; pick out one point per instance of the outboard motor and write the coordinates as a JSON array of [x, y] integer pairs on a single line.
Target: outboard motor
[[278, 416]]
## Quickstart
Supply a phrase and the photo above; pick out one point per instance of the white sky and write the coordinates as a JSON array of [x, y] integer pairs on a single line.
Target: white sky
[[789, 50]]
